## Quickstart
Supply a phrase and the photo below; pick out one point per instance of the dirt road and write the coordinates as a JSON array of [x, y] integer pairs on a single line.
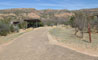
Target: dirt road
[[35, 45]]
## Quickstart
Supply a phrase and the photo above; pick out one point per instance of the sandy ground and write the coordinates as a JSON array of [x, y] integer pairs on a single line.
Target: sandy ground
[[65, 37], [35, 45], [53, 40]]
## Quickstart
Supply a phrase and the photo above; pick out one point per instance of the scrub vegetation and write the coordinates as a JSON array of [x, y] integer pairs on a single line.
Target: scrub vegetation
[[65, 35]]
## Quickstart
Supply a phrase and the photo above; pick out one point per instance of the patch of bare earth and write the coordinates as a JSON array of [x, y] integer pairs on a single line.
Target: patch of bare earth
[[64, 36]]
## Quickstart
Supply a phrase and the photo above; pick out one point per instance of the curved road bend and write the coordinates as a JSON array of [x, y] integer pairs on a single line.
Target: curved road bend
[[35, 45]]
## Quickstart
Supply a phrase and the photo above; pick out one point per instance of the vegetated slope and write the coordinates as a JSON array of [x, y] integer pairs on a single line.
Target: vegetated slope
[[47, 15], [30, 12], [18, 13], [54, 17], [18, 10], [92, 12]]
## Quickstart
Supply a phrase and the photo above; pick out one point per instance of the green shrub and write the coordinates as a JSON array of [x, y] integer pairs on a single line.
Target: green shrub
[[3, 32], [22, 25], [16, 28], [12, 28], [40, 24], [4, 29], [71, 21]]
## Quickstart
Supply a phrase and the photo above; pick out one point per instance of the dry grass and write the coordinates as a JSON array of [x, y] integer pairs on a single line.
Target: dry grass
[[10, 37], [66, 36]]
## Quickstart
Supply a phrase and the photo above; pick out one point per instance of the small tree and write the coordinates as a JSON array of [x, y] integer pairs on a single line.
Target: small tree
[[71, 21], [80, 22]]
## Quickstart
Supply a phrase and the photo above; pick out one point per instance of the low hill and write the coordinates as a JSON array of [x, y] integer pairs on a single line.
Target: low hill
[[31, 13], [45, 15]]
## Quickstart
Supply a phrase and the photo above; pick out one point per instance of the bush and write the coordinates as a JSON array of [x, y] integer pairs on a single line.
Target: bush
[[41, 24], [3, 32], [12, 29], [4, 29], [71, 21], [16, 28], [22, 25]]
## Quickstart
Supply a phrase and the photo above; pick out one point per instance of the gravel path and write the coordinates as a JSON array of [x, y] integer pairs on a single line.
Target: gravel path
[[35, 45]]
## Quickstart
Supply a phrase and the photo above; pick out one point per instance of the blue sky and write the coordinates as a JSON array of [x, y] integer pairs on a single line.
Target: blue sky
[[49, 4]]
